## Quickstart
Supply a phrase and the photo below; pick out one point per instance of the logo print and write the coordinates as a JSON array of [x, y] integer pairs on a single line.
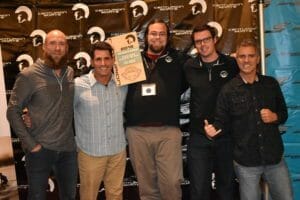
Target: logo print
[[20, 11], [218, 27], [25, 61], [130, 39], [168, 59], [139, 8], [223, 74], [82, 60], [96, 34], [39, 37], [253, 5], [199, 6], [278, 28], [81, 11]]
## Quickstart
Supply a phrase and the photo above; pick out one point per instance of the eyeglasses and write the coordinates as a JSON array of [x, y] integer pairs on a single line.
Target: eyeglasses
[[204, 41], [160, 34]]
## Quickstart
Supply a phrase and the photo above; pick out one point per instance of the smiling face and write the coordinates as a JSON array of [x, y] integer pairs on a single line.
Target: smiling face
[[157, 38], [247, 58], [205, 44], [103, 63]]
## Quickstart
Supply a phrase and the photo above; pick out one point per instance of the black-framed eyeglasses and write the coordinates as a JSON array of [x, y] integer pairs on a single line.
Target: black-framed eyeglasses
[[204, 40]]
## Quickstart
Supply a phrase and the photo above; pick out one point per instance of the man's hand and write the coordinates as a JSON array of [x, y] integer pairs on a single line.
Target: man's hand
[[210, 130], [26, 119], [36, 148], [268, 116]]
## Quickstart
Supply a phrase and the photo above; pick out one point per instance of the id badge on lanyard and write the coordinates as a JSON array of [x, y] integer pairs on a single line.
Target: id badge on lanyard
[[148, 89]]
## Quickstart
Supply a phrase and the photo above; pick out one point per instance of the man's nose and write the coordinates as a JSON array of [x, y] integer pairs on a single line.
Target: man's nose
[[57, 47], [102, 62]]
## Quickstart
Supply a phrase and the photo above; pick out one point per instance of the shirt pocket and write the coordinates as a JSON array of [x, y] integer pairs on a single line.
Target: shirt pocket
[[239, 105]]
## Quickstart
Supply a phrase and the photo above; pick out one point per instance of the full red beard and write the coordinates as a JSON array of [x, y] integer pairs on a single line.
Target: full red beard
[[50, 62]]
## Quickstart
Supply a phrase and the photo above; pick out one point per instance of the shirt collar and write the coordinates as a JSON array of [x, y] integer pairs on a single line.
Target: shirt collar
[[246, 82], [93, 80]]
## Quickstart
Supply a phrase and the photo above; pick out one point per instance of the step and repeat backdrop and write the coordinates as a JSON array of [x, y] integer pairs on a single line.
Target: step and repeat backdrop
[[282, 39], [24, 24]]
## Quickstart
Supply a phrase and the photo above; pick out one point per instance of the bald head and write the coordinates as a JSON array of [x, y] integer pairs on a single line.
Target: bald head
[[55, 49], [55, 34]]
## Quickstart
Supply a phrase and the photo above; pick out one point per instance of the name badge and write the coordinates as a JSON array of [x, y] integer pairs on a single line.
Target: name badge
[[149, 89]]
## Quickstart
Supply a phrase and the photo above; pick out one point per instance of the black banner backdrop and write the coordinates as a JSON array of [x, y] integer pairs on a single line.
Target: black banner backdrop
[[24, 24]]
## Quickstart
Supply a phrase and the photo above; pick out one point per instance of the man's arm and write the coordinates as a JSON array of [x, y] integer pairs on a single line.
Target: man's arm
[[281, 109], [19, 98], [221, 119], [279, 113]]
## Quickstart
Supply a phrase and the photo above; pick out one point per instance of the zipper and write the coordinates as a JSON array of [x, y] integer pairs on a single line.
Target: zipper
[[209, 69], [149, 69], [59, 81]]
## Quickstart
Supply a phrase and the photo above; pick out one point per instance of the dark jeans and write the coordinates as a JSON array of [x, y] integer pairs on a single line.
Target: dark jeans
[[206, 157], [39, 166]]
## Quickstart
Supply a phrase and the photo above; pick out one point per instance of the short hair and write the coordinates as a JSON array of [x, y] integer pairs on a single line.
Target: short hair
[[204, 27], [248, 42], [156, 21], [101, 46]]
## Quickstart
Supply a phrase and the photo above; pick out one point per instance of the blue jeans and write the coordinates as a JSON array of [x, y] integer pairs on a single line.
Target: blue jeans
[[38, 167], [276, 176]]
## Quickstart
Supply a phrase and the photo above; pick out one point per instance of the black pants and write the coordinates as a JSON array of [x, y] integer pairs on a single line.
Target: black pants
[[204, 158]]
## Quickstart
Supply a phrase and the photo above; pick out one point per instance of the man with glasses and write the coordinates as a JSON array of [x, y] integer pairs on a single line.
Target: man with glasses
[[206, 74], [152, 118]]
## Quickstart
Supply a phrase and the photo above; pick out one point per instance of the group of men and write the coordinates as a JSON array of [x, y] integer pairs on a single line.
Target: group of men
[[234, 127]]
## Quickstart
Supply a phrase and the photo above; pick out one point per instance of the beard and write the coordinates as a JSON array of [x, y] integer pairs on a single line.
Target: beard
[[53, 63], [156, 50]]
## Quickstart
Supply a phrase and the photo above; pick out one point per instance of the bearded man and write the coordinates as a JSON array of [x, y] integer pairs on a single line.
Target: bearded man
[[152, 117], [46, 88]]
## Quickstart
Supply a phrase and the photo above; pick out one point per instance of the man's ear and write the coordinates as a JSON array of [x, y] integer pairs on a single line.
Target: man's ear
[[258, 59]]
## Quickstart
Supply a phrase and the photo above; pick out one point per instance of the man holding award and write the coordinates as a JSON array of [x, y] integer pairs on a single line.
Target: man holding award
[[152, 118]]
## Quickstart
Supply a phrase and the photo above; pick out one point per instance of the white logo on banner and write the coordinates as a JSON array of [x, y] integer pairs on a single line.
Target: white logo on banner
[[195, 8], [25, 61], [79, 63], [96, 34], [23, 9], [218, 27], [139, 8], [39, 37], [79, 8], [253, 5]]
